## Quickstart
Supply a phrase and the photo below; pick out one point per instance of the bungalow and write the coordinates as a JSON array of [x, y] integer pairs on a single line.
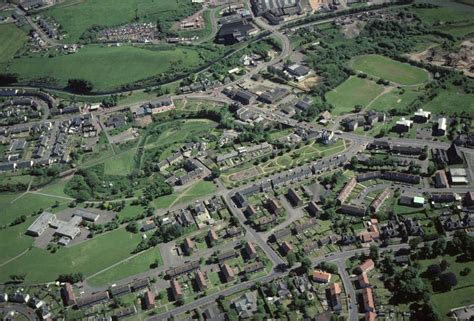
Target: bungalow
[[200, 281], [363, 280], [176, 289], [286, 248], [346, 191], [250, 250], [149, 300], [367, 266], [422, 116], [314, 209], [333, 293], [321, 276], [228, 273], [368, 300], [254, 267], [403, 125], [294, 198], [274, 206]]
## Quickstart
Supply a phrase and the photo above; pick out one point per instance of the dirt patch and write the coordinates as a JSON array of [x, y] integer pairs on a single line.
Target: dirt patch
[[243, 175], [129, 134], [459, 59], [308, 83]]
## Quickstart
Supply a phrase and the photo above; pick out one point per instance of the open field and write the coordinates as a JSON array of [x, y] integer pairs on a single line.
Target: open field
[[77, 16], [121, 164], [462, 294], [389, 69], [354, 91], [138, 264], [14, 235], [107, 67], [395, 99], [88, 257], [26, 205], [199, 189], [449, 101], [11, 39]]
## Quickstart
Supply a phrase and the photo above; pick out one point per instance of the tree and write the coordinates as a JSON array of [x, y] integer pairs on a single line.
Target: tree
[[414, 243], [374, 252], [448, 280], [79, 86], [439, 246], [444, 265], [291, 258], [132, 227], [433, 271]]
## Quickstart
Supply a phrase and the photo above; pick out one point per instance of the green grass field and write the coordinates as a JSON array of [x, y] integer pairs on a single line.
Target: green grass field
[[462, 294], [26, 205], [106, 67], [14, 235], [450, 101], [389, 69], [199, 189], [395, 99], [89, 257], [11, 40], [354, 91], [138, 264], [121, 164], [76, 16]]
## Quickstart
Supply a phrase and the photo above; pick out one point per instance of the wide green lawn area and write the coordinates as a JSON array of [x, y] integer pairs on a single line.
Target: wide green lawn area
[[88, 257], [13, 240], [452, 101], [395, 99], [121, 164], [26, 205], [11, 39], [389, 69], [77, 16], [353, 91], [199, 189], [107, 67], [462, 294], [139, 264]]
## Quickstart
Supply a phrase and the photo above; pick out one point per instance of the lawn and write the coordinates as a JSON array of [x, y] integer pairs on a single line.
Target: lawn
[[389, 69], [26, 205], [138, 264], [11, 40], [14, 235], [450, 101], [77, 16], [199, 189], [88, 257], [462, 294], [354, 91], [395, 99], [121, 164], [106, 67]]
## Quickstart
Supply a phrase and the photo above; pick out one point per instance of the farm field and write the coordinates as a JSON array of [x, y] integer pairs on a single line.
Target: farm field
[[88, 257], [77, 16], [137, 264], [354, 91], [107, 67], [11, 40], [449, 101], [389, 69]]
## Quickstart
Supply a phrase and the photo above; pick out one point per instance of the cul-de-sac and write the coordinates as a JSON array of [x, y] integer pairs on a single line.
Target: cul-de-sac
[[221, 160]]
